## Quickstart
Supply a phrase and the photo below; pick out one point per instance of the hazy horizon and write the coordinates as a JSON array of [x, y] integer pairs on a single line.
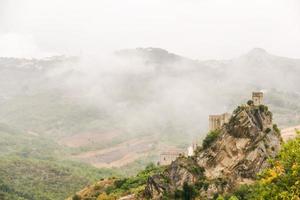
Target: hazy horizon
[[195, 29], [111, 99]]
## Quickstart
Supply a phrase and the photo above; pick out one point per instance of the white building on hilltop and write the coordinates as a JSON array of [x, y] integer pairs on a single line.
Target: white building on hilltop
[[191, 149]]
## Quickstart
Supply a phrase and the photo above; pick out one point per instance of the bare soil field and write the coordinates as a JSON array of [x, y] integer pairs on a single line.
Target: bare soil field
[[289, 133], [120, 154], [129, 151], [87, 139]]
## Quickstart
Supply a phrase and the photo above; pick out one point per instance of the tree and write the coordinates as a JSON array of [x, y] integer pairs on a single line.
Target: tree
[[188, 192]]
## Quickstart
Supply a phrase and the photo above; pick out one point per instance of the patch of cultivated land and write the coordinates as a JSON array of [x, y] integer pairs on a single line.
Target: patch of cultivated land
[[129, 151], [120, 154], [87, 139], [290, 132]]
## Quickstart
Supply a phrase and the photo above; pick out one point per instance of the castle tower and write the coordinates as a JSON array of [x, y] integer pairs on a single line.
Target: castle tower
[[217, 121], [257, 98]]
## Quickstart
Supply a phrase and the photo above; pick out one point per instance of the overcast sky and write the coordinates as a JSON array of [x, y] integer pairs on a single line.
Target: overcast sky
[[200, 29]]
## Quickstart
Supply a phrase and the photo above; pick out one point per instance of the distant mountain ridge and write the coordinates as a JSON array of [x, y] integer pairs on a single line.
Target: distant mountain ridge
[[124, 110]]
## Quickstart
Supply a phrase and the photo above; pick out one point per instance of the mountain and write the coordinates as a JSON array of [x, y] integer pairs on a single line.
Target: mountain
[[25, 76], [121, 112], [233, 156], [140, 102]]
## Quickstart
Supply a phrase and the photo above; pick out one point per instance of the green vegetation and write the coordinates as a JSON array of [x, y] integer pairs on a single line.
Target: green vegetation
[[133, 184], [239, 109], [276, 129], [210, 138], [16, 142], [30, 168], [281, 181], [50, 113], [114, 188], [190, 164], [268, 130], [133, 168], [188, 192], [263, 108], [32, 179], [250, 102]]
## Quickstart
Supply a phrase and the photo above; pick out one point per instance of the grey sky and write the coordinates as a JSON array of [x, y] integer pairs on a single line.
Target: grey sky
[[200, 29]]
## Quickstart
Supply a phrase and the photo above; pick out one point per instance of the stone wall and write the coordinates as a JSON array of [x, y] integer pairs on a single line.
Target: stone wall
[[217, 121]]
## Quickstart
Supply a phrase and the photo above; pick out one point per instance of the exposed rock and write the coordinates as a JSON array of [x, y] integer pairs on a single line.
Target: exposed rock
[[240, 151], [182, 170]]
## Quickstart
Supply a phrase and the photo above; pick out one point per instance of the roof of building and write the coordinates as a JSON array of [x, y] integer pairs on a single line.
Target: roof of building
[[171, 153], [255, 94]]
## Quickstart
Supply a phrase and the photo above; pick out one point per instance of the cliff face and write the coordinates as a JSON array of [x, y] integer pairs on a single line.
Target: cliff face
[[238, 152]]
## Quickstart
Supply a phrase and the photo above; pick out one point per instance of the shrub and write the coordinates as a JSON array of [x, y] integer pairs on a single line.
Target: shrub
[[178, 194], [238, 109], [76, 197], [233, 198], [268, 130], [119, 183], [197, 170], [250, 103], [189, 191], [218, 197], [201, 184], [242, 193], [210, 138], [105, 197], [276, 129], [263, 108]]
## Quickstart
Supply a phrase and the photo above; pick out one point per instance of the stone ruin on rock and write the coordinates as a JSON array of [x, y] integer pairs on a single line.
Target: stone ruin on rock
[[257, 98], [217, 121]]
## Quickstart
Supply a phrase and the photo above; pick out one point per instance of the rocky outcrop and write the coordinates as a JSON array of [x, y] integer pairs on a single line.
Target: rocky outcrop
[[182, 170], [240, 151], [228, 158]]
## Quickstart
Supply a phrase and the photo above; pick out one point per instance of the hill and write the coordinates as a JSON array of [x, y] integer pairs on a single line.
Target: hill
[[229, 157], [122, 112], [34, 167], [233, 157], [35, 179], [44, 97]]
